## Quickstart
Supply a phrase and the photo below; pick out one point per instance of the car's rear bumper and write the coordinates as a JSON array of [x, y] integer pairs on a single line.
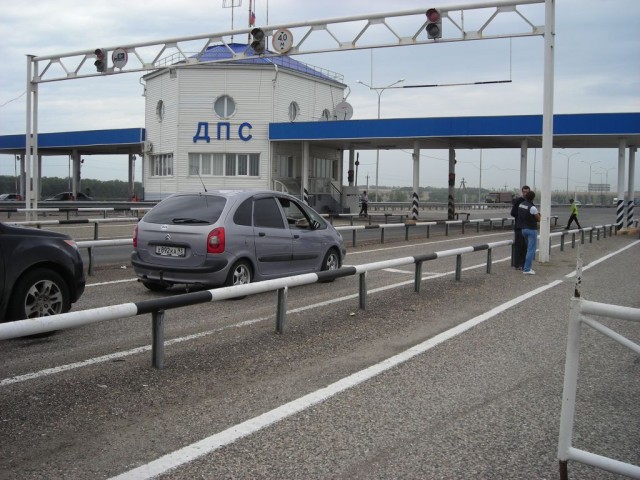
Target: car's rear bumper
[[213, 272]]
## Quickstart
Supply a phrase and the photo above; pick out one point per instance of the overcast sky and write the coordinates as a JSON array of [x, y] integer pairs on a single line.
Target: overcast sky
[[597, 69]]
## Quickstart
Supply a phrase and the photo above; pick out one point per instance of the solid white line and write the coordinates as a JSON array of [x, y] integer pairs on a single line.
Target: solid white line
[[230, 435]]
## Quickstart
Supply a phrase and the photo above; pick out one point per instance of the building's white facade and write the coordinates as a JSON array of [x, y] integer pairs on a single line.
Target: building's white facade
[[208, 124]]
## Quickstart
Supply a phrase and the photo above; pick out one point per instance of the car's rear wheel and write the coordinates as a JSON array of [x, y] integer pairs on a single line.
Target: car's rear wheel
[[154, 286], [39, 293], [240, 274]]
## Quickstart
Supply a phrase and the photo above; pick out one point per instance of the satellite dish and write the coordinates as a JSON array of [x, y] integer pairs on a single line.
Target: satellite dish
[[343, 111]]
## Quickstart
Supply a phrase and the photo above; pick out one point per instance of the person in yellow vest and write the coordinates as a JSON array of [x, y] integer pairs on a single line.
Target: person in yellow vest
[[574, 215]]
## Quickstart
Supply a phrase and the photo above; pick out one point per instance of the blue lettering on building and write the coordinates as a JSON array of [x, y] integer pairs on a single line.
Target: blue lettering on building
[[202, 132]]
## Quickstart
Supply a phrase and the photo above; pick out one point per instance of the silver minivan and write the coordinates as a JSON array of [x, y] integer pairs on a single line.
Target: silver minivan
[[226, 237]]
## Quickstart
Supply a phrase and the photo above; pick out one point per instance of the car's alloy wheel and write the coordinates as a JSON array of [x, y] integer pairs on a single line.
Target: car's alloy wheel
[[240, 274], [331, 260], [40, 293]]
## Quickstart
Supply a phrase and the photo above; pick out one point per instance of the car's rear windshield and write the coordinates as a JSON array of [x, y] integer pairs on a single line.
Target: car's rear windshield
[[188, 210]]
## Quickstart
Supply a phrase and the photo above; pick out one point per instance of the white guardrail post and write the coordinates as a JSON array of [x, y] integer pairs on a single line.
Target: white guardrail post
[[580, 309]]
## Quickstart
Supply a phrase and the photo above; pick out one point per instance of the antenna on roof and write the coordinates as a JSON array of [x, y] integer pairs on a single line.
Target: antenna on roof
[[232, 4]]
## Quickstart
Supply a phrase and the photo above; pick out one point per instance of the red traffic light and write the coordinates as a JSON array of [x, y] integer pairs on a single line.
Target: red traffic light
[[101, 59], [433, 15]]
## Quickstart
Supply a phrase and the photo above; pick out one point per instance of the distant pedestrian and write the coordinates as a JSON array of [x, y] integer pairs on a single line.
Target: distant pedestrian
[[574, 215], [364, 200], [519, 243], [529, 217]]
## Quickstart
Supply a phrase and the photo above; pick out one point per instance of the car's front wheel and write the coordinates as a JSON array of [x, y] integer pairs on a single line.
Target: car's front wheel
[[331, 261], [240, 274], [39, 293]]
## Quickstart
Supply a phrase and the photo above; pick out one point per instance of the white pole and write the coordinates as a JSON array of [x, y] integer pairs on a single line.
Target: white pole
[[547, 131], [620, 207], [523, 162]]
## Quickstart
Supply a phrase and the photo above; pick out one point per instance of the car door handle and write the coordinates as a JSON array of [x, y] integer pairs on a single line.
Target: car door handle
[[262, 234]]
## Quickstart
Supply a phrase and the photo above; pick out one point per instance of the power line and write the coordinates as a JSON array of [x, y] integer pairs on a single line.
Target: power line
[[13, 99]]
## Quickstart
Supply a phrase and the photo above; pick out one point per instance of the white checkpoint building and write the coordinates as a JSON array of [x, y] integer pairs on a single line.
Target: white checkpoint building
[[208, 124]]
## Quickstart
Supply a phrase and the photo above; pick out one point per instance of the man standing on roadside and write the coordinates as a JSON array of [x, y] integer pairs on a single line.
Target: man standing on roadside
[[519, 244], [574, 214], [529, 218]]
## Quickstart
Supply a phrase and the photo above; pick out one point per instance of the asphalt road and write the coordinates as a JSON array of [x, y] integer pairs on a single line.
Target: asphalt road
[[481, 401]]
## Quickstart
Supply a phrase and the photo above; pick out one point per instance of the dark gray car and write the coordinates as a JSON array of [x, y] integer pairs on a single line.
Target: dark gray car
[[231, 238]]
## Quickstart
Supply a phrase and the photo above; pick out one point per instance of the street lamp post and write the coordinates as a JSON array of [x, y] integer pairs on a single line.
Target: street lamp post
[[568, 158], [606, 171], [379, 91], [591, 164]]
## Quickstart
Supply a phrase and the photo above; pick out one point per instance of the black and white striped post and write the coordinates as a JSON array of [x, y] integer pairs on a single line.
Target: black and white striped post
[[619, 214]]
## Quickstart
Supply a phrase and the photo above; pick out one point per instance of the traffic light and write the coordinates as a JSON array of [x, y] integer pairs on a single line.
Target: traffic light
[[258, 43], [101, 60], [434, 25]]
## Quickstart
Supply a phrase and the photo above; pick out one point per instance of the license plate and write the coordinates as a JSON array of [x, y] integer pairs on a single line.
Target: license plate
[[165, 251]]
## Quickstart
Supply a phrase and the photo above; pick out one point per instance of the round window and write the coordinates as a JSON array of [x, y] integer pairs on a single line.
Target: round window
[[294, 111], [160, 110], [224, 106]]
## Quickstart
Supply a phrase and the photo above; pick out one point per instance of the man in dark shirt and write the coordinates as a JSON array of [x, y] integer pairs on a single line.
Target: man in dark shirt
[[519, 244], [529, 217]]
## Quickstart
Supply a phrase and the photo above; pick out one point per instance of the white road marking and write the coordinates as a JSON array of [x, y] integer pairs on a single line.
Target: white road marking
[[230, 435], [146, 348], [396, 270]]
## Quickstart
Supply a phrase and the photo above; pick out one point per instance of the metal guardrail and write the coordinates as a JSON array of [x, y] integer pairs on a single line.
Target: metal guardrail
[[157, 307], [579, 315]]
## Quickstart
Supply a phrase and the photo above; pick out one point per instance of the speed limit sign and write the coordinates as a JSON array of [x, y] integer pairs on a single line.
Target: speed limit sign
[[282, 40]]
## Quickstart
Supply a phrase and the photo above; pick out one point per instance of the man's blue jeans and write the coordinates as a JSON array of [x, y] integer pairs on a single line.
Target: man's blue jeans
[[531, 237]]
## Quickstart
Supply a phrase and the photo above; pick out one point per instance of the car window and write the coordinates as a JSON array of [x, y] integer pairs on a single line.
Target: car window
[[187, 209], [267, 213], [243, 213], [296, 216]]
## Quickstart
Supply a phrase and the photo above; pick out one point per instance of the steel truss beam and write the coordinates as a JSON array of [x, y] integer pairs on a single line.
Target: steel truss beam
[[189, 50]]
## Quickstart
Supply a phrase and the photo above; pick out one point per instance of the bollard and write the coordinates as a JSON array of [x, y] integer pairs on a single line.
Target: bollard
[[354, 238], [562, 242], [90, 253], [446, 229], [418, 277], [281, 311], [573, 240], [157, 347], [428, 231], [458, 267], [489, 262], [582, 236], [382, 235], [363, 291], [96, 236], [463, 222]]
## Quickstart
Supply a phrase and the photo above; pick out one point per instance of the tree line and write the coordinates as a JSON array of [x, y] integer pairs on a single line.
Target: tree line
[[98, 189]]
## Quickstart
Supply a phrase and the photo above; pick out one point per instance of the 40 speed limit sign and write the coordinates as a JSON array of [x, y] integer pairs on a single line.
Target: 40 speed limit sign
[[282, 40]]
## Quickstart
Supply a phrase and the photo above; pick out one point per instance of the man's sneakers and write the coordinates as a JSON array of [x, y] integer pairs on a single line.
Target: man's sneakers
[[529, 272]]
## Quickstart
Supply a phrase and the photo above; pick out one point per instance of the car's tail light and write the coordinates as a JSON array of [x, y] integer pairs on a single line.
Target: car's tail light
[[215, 241], [135, 237], [72, 243]]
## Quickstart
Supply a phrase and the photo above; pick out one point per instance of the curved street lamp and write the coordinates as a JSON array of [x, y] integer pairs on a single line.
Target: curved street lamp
[[568, 158], [379, 91]]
